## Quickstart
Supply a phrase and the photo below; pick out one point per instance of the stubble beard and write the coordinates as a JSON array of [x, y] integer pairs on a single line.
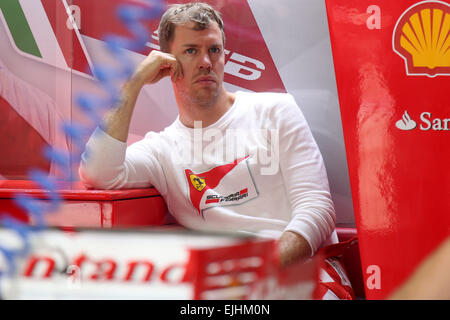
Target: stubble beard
[[203, 97]]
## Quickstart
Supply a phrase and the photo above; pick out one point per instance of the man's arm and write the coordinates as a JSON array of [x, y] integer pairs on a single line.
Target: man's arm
[[292, 247], [106, 162], [153, 68], [306, 183]]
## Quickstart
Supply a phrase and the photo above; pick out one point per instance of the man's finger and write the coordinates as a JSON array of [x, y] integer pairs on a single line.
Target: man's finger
[[180, 70], [177, 72]]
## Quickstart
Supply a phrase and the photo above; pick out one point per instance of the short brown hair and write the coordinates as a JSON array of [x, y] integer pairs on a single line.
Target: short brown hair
[[200, 13]]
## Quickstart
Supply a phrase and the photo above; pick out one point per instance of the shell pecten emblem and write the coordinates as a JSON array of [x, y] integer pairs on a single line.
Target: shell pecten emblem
[[422, 38]]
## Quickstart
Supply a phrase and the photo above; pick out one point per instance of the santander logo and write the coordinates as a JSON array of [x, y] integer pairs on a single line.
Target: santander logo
[[427, 122], [406, 123]]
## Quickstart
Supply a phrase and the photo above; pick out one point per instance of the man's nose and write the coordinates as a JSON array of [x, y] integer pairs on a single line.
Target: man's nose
[[205, 62]]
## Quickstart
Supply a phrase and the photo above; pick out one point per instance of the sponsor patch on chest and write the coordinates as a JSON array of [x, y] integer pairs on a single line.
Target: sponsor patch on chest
[[224, 185]]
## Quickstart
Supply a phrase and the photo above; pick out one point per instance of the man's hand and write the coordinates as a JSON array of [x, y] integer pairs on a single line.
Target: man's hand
[[156, 66], [292, 248], [152, 69]]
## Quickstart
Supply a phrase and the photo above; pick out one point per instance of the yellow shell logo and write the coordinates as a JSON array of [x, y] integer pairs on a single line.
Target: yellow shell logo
[[197, 182], [422, 38]]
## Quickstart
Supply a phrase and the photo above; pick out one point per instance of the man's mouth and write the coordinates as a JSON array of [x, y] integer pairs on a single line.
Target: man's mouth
[[205, 80]]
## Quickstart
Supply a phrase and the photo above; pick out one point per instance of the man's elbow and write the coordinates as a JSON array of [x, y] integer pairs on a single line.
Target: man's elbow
[[328, 217], [94, 179]]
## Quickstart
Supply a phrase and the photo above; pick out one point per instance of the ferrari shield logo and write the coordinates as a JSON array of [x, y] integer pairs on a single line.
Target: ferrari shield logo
[[197, 182]]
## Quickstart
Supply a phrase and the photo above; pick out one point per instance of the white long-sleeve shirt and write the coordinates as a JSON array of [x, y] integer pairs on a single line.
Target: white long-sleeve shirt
[[257, 170]]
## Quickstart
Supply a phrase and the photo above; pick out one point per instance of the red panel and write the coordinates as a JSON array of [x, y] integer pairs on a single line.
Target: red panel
[[397, 162], [75, 191], [7, 206], [243, 38], [148, 211], [200, 260], [20, 145], [352, 261], [91, 208]]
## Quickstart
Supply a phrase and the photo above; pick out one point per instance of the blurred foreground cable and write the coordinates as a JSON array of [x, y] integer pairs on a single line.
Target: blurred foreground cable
[[133, 17]]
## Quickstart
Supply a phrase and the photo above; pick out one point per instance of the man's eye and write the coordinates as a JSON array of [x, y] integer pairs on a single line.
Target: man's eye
[[214, 50], [190, 51]]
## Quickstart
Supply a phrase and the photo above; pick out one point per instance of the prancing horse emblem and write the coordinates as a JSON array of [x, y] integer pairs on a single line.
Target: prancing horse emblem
[[197, 182]]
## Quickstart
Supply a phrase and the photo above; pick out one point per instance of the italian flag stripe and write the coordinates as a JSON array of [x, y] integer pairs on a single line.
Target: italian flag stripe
[[19, 27]]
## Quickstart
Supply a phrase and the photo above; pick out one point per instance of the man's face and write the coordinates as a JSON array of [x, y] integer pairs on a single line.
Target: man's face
[[201, 55]]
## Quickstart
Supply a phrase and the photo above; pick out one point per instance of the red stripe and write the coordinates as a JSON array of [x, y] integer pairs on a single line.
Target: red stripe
[[67, 39]]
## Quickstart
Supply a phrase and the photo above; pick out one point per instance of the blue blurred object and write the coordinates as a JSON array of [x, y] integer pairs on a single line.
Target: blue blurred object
[[91, 105]]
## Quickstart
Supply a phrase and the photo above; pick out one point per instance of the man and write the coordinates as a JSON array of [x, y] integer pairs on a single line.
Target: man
[[217, 190]]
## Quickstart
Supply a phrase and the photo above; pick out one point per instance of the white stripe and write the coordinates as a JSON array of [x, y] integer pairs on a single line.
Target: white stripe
[[330, 295], [77, 32], [43, 33]]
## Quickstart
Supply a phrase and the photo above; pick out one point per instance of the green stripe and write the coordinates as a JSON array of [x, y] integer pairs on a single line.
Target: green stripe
[[19, 27]]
